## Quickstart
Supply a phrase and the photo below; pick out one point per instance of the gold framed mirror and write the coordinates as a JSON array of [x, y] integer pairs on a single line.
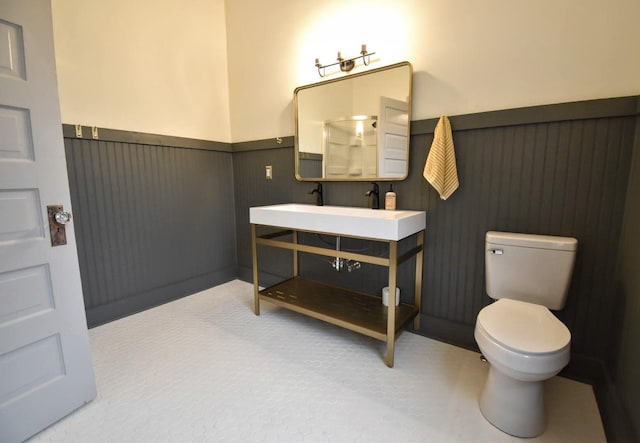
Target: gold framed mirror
[[354, 128]]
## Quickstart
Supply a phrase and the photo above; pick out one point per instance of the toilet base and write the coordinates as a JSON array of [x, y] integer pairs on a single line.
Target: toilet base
[[513, 406]]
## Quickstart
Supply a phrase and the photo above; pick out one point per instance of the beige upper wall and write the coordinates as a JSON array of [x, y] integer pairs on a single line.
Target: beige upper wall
[[149, 66], [468, 56], [162, 66]]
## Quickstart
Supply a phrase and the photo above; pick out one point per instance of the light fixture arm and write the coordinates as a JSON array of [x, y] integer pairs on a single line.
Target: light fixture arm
[[346, 65]]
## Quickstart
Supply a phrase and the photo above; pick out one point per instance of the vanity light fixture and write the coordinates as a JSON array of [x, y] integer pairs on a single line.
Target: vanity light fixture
[[346, 65]]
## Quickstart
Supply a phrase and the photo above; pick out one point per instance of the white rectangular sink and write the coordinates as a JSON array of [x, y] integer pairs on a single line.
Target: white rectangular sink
[[341, 220]]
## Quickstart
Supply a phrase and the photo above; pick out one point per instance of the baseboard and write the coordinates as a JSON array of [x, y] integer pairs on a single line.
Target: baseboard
[[584, 369], [447, 331], [265, 279], [156, 297]]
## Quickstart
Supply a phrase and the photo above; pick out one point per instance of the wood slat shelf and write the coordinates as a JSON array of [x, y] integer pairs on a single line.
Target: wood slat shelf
[[357, 311]]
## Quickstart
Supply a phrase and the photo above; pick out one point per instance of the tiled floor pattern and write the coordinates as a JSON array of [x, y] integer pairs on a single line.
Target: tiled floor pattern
[[205, 368]]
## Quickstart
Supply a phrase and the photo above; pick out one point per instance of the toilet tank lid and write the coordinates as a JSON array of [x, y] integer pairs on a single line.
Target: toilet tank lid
[[532, 241]]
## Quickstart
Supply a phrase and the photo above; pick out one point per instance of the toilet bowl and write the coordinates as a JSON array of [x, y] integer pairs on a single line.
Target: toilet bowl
[[523, 342], [512, 398]]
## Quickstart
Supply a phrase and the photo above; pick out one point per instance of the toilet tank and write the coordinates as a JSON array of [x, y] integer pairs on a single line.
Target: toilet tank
[[527, 267]]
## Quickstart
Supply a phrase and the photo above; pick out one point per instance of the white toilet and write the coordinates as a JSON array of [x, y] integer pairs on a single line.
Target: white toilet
[[521, 339]]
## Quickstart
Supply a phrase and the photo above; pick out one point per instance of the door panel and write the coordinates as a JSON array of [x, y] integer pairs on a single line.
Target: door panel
[[11, 50], [16, 142], [20, 209], [25, 292]]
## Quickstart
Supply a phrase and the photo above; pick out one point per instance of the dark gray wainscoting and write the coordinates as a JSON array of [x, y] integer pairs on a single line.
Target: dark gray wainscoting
[[623, 396], [154, 218], [559, 178]]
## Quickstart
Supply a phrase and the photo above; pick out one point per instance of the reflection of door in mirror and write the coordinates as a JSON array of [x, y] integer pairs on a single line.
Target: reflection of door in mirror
[[349, 147], [393, 136]]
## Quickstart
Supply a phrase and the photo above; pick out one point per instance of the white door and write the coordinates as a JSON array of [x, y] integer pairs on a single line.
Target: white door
[[393, 138], [45, 364]]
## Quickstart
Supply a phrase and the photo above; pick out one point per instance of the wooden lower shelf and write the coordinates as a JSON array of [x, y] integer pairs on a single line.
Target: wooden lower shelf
[[359, 312]]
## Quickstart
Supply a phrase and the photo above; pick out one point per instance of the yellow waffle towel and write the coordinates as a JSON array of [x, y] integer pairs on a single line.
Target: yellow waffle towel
[[440, 169]]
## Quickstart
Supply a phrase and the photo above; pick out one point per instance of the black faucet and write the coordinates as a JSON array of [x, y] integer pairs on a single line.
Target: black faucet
[[319, 199], [375, 196]]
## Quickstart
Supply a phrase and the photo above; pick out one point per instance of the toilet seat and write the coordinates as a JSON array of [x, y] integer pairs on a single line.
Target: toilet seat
[[524, 327]]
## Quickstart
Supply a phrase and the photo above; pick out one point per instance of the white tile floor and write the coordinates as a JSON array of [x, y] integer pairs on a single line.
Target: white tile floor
[[205, 368]]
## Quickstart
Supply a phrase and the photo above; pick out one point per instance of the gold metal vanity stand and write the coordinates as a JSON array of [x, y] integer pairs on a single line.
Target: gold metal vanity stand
[[356, 311]]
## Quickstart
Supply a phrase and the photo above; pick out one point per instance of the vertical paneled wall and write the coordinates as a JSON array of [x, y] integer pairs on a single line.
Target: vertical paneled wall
[[152, 222], [625, 364], [252, 189], [567, 176]]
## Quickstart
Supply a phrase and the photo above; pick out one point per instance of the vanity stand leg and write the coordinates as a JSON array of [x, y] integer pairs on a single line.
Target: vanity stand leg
[[419, 264], [256, 286], [295, 254], [391, 310]]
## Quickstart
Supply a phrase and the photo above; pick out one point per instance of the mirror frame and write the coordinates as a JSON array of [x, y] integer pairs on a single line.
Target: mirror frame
[[339, 79]]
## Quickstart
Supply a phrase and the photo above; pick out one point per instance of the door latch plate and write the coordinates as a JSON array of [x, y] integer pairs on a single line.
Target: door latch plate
[[57, 230]]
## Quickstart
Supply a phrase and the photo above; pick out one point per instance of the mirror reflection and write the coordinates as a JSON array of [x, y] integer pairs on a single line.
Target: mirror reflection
[[354, 127]]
